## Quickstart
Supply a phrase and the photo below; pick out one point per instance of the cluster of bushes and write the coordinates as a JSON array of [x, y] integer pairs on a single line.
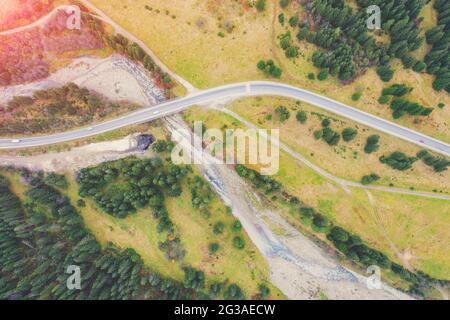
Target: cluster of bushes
[[293, 21], [213, 247], [338, 63], [330, 136], [269, 68], [401, 107], [372, 144], [290, 50], [370, 179], [438, 59], [201, 195], [239, 242], [135, 52], [398, 161], [356, 96], [311, 217], [56, 109], [386, 73], [348, 134], [121, 187], [163, 146], [322, 75], [56, 180], [352, 246], [281, 18], [232, 292], [236, 227], [397, 90], [264, 291], [301, 117], [308, 215], [439, 164], [283, 113], [260, 5], [265, 183], [327, 134], [194, 279], [218, 227], [43, 236]]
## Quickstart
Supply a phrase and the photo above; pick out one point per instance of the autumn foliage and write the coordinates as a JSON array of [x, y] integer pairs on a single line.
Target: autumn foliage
[[25, 56]]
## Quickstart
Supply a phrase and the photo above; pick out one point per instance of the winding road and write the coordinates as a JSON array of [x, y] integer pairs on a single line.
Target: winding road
[[228, 92], [253, 88], [258, 233]]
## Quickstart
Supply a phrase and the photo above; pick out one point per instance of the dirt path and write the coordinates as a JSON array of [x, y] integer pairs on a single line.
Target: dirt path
[[118, 29], [298, 267], [99, 14], [36, 23], [345, 184]]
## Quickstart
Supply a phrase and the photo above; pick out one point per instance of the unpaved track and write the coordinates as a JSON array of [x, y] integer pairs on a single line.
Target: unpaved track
[[299, 268], [118, 29], [342, 182], [99, 14]]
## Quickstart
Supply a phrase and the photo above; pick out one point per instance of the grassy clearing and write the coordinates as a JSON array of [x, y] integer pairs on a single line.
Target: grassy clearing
[[246, 267], [137, 231], [349, 160], [184, 34], [410, 230]]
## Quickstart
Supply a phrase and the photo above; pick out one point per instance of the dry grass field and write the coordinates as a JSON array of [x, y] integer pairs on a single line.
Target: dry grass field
[[411, 230], [212, 42], [348, 159]]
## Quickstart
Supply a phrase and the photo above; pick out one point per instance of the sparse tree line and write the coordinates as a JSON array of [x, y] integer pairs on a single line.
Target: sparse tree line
[[269, 68], [287, 44], [56, 109], [400, 161], [201, 195], [236, 227], [135, 52], [401, 106], [438, 59], [439, 164], [396, 160], [347, 243]]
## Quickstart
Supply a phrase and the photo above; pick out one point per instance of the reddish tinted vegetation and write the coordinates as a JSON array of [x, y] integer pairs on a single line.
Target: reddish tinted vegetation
[[17, 13], [25, 56], [57, 109]]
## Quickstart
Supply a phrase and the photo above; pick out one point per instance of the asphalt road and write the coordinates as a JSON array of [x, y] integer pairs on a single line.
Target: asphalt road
[[228, 92]]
